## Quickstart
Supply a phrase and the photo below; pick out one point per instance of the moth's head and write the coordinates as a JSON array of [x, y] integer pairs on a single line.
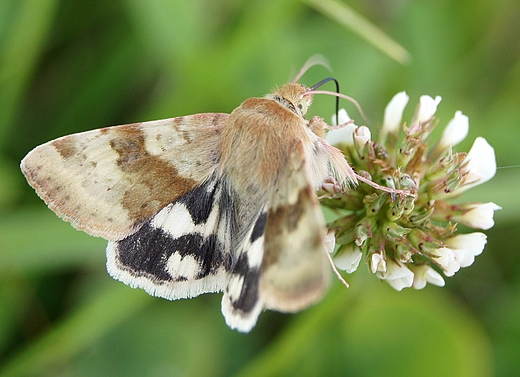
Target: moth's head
[[298, 97], [294, 97]]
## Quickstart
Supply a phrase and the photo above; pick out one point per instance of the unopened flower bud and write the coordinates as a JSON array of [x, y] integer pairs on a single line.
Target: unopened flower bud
[[374, 203], [394, 232], [362, 231], [423, 241], [361, 137], [404, 252], [407, 183]]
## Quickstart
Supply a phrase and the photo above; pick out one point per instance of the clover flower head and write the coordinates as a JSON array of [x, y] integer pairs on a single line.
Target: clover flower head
[[409, 240]]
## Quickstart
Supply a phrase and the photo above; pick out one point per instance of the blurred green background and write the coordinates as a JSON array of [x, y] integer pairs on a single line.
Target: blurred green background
[[68, 66]]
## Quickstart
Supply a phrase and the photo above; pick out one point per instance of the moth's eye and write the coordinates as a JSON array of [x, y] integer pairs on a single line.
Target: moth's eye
[[303, 106]]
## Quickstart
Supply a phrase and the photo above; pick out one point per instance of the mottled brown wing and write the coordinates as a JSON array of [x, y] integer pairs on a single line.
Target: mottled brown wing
[[295, 269], [107, 182]]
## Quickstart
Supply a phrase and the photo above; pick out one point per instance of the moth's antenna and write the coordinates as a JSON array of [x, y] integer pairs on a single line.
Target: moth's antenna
[[312, 61], [324, 81]]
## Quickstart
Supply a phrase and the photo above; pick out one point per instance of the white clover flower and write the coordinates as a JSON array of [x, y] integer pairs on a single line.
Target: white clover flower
[[348, 258], [445, 258], [394, 113], [423, 274], [397, 276], [480, 216], [343, 117], [427, 108], [466, 247], [481, 165], [459, 251], [361, 136], [330, 241], [342, 136], [377, 263], [456, 131]]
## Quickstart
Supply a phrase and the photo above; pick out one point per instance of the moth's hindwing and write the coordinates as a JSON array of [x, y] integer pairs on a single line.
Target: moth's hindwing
[[281, 263], [108, 182], [182, 251], [295, 268], [241, 304]]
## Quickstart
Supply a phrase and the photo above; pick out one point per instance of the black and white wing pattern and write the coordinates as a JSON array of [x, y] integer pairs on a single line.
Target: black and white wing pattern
[[182, 251]]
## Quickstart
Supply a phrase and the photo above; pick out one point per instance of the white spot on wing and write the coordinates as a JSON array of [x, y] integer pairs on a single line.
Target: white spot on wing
[[187, 267], [175, 219], [255, 254]]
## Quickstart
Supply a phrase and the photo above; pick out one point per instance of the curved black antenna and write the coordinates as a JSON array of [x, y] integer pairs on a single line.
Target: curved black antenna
[[324, 81]]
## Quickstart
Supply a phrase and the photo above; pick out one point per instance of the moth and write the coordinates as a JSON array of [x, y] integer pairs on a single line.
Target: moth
[[204, 203]]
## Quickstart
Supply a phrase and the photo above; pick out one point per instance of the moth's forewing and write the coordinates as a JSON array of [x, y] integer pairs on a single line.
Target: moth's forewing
[[108, 182]]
